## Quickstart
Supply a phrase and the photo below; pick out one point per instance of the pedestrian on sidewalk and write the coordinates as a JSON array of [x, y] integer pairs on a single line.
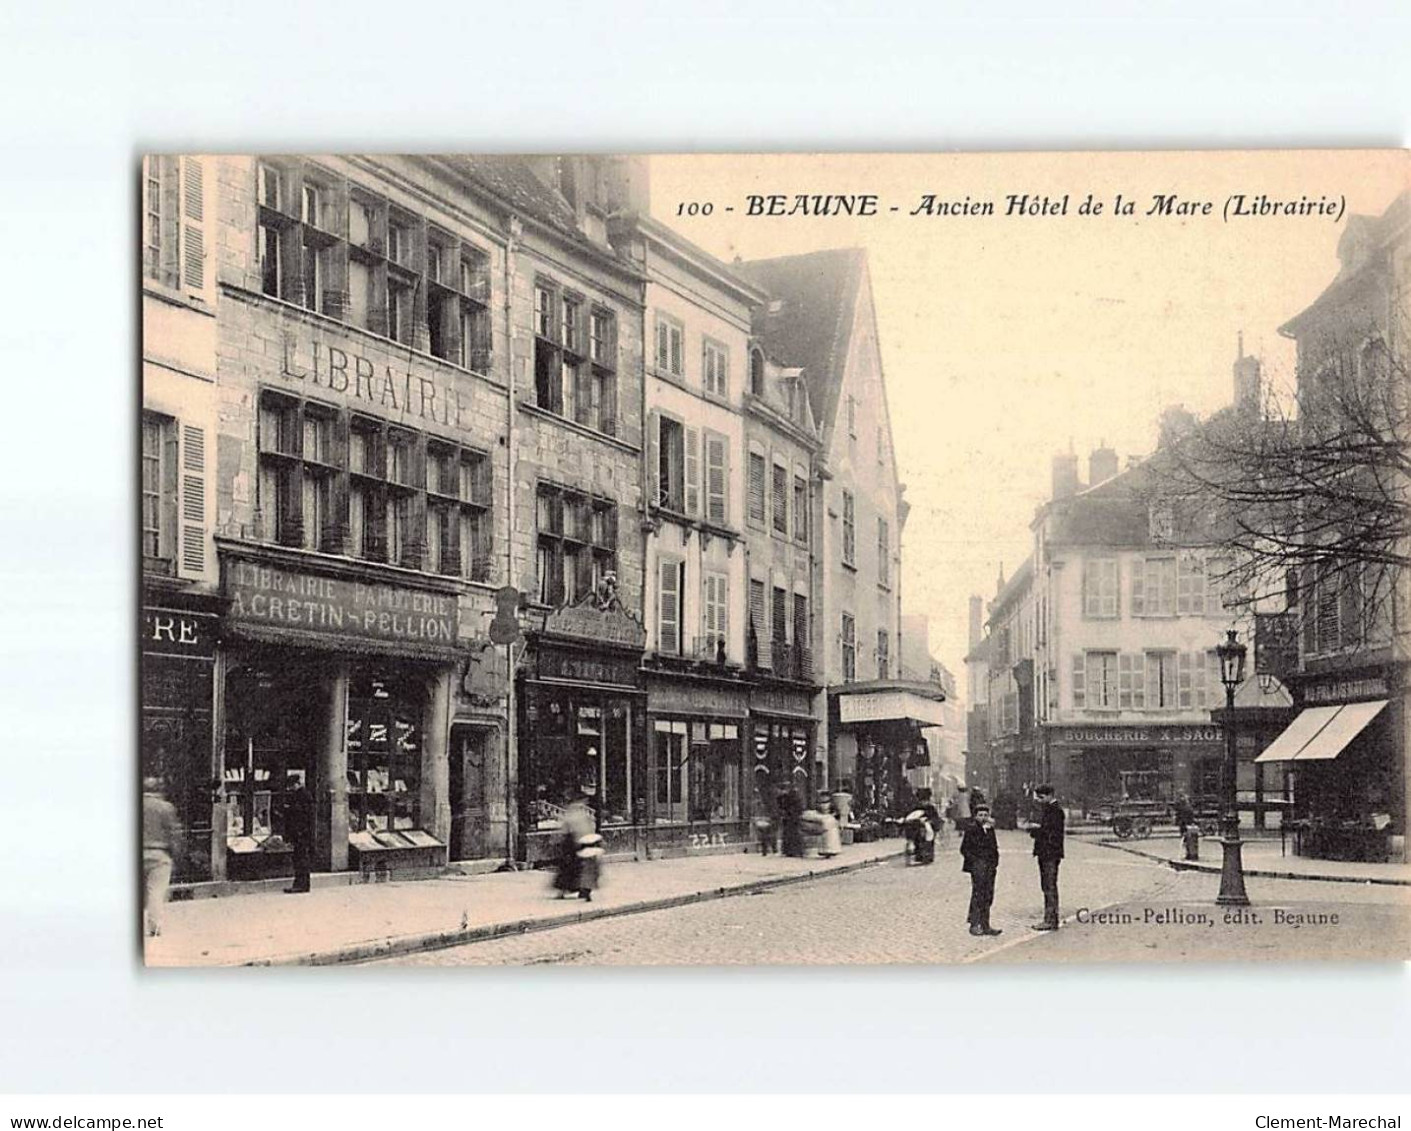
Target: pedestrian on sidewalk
[[842, 803], [299, 830], [580, 853], [790, 807], [766, 820], [980, 850], [161, 841], [830, 838], [1048, 849]]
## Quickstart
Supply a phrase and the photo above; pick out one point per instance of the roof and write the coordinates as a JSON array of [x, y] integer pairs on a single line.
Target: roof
[[702, 261], [512, 180], [810, 322], [1016, 584]]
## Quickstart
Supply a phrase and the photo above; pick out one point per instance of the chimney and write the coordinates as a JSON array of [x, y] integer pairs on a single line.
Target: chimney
[[977, 620], [1102, 465], [1065, 475], [1248, 390]]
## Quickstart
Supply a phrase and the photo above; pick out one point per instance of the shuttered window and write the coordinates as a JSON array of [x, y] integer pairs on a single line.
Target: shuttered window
[[1100, 588], [757, 618], [757, 488], [1190, 585], [717, 459], [174, 219], [193, 500], [714, 626], [849, 647], [1080, 680], [780, 499], [800, 507], [669, 606], [849, 530]]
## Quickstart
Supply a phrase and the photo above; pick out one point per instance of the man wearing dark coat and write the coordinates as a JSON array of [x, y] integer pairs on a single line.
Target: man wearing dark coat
[[980, 850], [299, 832], [790, 809], [1048, 849]]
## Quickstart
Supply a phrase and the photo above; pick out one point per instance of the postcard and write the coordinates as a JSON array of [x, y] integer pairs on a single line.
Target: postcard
[[989, 558]]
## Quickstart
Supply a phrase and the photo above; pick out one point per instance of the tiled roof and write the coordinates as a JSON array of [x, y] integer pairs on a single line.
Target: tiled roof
[[815, 295], [512, 181]]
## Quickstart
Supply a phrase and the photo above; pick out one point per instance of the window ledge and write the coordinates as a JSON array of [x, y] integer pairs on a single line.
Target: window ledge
[[849, 566], [580, 429], [153, 289]]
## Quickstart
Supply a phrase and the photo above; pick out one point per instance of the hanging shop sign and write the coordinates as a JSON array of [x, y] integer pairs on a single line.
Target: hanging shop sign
[[596, 625], [309, 603]]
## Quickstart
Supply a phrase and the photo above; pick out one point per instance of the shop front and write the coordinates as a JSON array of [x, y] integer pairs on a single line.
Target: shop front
[[782, 738], [180, 632], [1096, 767], [337, 681], [581, 714], [697, 731], [1344, 763], [877, 734]]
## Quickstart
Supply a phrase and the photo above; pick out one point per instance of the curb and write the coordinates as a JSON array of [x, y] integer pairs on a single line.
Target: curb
[[442, 940], [1263, 873]]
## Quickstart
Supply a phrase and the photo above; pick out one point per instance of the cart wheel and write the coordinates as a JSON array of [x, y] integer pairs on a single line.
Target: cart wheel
[[1141, 827], [1122, 826]]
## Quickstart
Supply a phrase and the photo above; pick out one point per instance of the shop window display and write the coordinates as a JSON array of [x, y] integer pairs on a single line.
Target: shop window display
[[715, 772], [582, 752], [384, 739]]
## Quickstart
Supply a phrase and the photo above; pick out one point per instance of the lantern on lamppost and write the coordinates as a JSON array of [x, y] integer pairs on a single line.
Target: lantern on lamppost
[[1231, 654]]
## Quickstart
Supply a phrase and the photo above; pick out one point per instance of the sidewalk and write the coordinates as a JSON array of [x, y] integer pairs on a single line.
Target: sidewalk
[[1264, 858], [331, 925]]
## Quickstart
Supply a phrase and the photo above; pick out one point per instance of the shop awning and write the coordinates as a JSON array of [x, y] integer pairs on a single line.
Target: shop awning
[[1320, 733], [1346, 725]]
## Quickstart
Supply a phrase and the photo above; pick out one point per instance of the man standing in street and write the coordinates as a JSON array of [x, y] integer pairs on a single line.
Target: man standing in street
[[161, 839], [1048, 848], [981, 852], [299, 831]]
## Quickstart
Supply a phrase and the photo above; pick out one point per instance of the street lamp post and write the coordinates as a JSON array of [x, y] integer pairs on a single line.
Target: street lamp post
[[1231, 653]]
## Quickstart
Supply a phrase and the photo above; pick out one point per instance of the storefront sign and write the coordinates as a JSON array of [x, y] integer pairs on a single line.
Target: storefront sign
[[173, 632], [320, 368], [1137, 736], [310, 603], [695, 699], [600, 626], [586, 668], [1346, 690], [883, 706], [778, 701]]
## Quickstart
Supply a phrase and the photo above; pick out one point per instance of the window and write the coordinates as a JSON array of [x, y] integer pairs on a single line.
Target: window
[[714, 625], [677, 467], [717, 477], [173, 224], [852, 416], [1190, 585], [884, 654], [1154, 587], [757, 373], [346, 484], [1161, 681], [715, 368], [1101, 681], [1080, 680], [849, 642], [780, 495], [1100, 588], [670, 353], [758, 625], [577, 544], [884, 553], [159, 493], [779, 629], [670, 757], [800, 507], [757, 499], [575, 359], [801, 634], [670, 584], [849, 530], [1191, 676], [1131, 684]]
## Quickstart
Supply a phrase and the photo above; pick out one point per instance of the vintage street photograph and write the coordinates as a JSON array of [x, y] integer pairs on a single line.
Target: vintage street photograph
[[773, 559]]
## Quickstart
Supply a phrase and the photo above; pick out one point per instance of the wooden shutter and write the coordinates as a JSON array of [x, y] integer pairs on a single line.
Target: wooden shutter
[[757, 504], [693, 470], [654, 497], [169, 524], [193, 224], [1139, 587], [669, 604], [191, 556], [169, 260], [1080, 679], [717, 476]]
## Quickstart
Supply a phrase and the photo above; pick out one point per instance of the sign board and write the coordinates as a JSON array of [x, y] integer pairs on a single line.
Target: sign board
[[1346, 690], [1138, 735], [885, 706], [362, 610], [601, 626], [179, 632]]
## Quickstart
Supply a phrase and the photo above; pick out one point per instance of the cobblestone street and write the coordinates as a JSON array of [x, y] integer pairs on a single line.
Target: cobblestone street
[[892, 913]]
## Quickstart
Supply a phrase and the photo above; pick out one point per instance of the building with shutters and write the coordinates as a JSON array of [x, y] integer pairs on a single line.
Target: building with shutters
[[819, 323], [343, 359]]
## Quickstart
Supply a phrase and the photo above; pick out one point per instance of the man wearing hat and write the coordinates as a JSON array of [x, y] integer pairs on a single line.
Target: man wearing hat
[[1048, 848], [981, 852]]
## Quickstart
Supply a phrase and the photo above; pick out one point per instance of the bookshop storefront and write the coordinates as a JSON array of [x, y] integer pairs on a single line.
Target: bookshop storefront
[[339, 684]]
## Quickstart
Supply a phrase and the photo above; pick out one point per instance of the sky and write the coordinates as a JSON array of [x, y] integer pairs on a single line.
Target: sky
[[1007, 338]]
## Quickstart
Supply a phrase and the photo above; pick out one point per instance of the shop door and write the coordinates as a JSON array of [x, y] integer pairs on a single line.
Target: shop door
[[469, 839]]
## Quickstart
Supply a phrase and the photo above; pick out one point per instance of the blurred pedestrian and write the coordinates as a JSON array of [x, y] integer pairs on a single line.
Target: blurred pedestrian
[[842, 803], [579, 861], [980, 851], [161, 841], [299, 830], [766, 820], [830, 837], [790, 808], [1048, 849]]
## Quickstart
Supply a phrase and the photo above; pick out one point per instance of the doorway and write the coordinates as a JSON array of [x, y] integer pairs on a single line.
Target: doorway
[[470, 746]]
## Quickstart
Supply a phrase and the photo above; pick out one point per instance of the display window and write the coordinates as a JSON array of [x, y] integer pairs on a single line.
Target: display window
[[272, 733], [582, 751], [384, 742], [670, 754], [715, 772]]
